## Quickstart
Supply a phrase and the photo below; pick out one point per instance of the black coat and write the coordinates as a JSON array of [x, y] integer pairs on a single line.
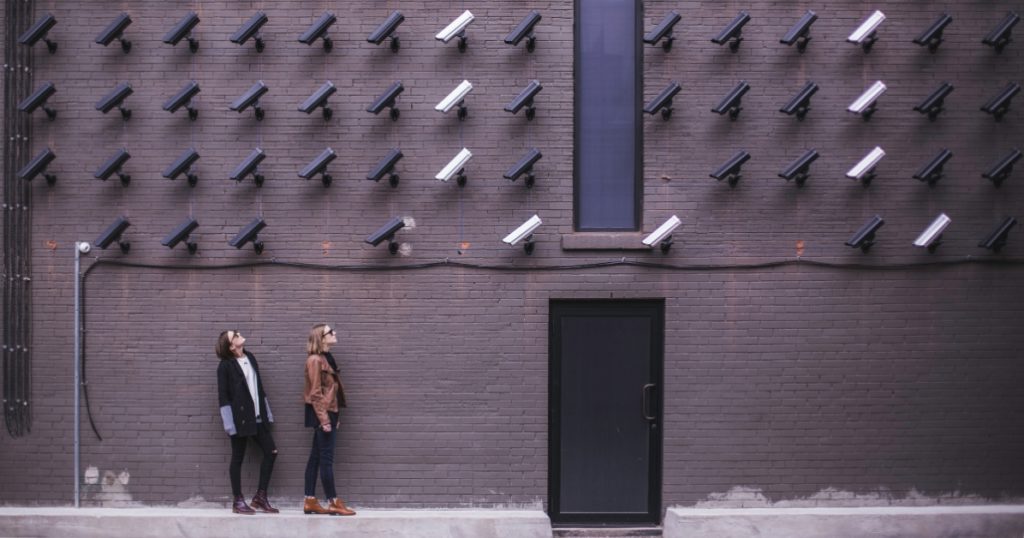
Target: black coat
[[236, 408]]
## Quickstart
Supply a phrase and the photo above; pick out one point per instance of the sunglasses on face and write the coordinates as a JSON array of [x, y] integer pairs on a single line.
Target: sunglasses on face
[[235, 334], [329, 332]]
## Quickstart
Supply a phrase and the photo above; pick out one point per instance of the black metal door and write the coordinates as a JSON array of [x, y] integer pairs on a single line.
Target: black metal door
[[605, 411]]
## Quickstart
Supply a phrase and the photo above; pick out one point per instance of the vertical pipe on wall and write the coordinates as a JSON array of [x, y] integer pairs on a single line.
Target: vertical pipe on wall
[[79, 247]]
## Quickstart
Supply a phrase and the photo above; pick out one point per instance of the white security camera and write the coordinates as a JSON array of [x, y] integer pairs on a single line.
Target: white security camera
[[865, 169], [663, 235], [931, 237], [524, 231], [455, 98], [865, 104], [456, 28], [456, 167], [864, 35]]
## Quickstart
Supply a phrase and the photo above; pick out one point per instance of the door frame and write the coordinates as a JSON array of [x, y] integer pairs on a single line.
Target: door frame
[[606, 307]]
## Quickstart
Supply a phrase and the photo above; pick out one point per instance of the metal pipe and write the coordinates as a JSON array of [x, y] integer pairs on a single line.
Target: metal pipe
[[79, 247]]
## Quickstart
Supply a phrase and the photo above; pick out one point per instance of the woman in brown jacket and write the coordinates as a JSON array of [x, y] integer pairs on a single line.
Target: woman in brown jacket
[[324, 396]]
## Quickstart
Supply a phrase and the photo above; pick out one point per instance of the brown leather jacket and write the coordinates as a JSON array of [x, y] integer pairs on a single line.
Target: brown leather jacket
[[323, 389]]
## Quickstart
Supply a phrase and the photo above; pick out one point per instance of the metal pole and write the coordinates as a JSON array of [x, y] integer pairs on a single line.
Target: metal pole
[[79, 247]]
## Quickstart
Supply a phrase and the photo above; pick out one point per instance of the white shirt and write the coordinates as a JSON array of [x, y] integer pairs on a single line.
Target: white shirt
[[250, 380]]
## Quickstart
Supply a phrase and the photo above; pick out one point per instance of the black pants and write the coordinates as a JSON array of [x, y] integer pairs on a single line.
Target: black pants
[[266, 442], [321, 457]]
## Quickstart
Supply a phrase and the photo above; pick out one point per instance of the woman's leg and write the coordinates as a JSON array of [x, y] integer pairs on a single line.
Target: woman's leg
[[327, 461], [266, 442], [312, 465], [235, 469]]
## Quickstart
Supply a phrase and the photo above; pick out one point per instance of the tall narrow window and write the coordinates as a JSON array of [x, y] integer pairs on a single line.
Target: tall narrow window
[[607, 181]]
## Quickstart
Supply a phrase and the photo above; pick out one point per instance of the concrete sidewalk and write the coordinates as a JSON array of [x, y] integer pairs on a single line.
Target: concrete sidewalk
[[203, 522]]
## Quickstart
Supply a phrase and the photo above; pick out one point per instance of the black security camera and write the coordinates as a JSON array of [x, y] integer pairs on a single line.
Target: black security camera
[[1002, 168], [250, 233], [387, 233], [116, 99], [1000, 104], [115, 30], [663, 101], [250, 166], [525, 98], [932, 171], [181, 165], [184, 99], [319, 31], [996, 240], [864, 238], [386, 166], [999, 37], [386, 30], [249, 29], [524, 166], [663, 31], [182, 233], [114, 165], [182, 30], [113, 233], [932, 37], [801, 102], [319, 99], [933, 104], [733, 32], [38, 165], [799, 169], [732, 102], [730, 171], [38, 99], [800, 32], [251, 98], [38, 31], [387, 100], [319, 166]]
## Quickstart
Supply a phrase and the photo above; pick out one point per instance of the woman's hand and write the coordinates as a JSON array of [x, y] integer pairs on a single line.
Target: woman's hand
[[326, 427], [338, 425]]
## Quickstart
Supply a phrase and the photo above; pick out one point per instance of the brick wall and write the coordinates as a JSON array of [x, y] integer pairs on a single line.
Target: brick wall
[[788, 379]]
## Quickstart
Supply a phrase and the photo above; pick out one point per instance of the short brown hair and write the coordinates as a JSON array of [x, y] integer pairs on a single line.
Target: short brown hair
[[315, 344], [223, 347]]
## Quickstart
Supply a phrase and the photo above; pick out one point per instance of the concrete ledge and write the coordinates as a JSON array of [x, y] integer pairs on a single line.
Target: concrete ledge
[[198, 523], [995, 521]]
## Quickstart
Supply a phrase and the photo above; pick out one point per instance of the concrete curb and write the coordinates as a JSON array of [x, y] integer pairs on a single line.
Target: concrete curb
[[198, 523], [995, 521]]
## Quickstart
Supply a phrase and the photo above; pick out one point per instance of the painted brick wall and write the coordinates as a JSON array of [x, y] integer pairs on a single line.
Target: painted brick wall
[[797, 383]]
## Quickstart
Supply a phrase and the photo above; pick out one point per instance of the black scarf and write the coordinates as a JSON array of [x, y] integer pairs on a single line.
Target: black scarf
[[331, 361]]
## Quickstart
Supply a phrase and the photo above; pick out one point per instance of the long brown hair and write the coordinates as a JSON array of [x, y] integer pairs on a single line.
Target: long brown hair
[[315, 344], [223, 347]]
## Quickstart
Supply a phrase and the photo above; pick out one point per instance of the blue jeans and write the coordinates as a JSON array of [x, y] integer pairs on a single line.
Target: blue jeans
[[321, 457]]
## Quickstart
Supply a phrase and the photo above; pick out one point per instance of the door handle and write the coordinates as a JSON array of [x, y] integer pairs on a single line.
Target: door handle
[[646, 402]]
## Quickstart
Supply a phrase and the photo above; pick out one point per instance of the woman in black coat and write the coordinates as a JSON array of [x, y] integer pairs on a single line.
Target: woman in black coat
[[239, 387]]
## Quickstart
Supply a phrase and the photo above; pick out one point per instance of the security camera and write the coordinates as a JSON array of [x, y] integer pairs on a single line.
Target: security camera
[[664, 31], [456, 168], [386, 30], [249, 29], [996, 240], [113, 233], [38, 99], [319, 166], [38, 31], [250, 233], [731, 169], [865, 104], [524, 30], [1000, 104], [732, 102], [38, 165], [182, 30], [387, 233], [319, 31], [181, 164], [184, 99], [931, 237], [800, 32], [1002, 169], [456, 28], [251, 98], [800, 104], [864, 170], [932, 37], [663, 101], [798, 169], [866, 34], [733, 32], [864, 238], [115, 99], [932, 105], [83, 247], [525, 98], [250, 166], [115, 30], [319, 99], [386, 166], [524, 166], [662, 236], [932, 172], [456, 97], [115, 164], [524, 231], [388, 100], [181, 233], [999, 37]]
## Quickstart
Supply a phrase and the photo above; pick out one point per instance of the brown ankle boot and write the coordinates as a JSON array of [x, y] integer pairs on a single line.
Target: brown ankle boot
[[312, 506], [239, 507], [262, 503], [337, 508]]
